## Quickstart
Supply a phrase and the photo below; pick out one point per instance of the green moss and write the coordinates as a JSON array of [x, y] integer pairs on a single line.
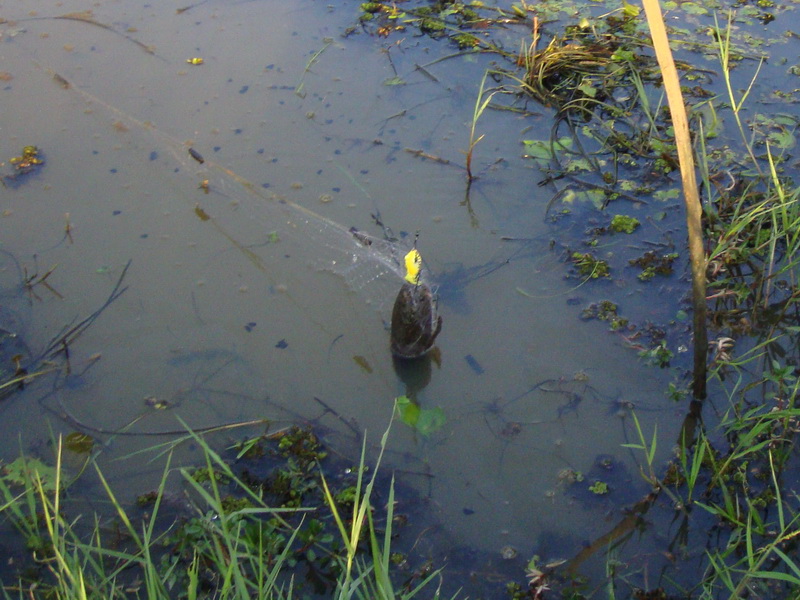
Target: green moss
[[203, 475], [146, 499], [465, 40], [346, 496], [371, 7], [658, 355], [430, 25], [624, 224]]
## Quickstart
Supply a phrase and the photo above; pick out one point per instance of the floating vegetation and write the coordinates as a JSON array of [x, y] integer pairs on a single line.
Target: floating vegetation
[[29, 161], [301, 445], [605, 310], [464, 23], [598, 77], [590, 266], [659, 355], [653, 263], [624, 224], [599, 488]]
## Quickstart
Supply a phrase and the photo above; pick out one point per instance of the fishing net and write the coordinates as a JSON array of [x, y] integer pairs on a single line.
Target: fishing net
[[359, 257], [268, 227], [372, 266]]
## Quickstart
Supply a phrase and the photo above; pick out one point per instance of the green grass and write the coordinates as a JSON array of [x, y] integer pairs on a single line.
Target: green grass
[[230, 544]]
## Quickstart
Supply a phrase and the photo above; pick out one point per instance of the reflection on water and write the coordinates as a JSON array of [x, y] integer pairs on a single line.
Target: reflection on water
[[228, 315]]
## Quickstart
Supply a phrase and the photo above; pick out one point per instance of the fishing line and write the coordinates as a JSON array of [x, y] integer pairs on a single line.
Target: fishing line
[[361, 259], [370, 266]]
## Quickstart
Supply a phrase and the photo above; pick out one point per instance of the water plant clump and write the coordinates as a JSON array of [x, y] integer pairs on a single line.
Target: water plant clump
[[605, 310], [590, 266], [587, 66], [624, 224], [220, 532], [30, 160], [464, 23], [652, 263]]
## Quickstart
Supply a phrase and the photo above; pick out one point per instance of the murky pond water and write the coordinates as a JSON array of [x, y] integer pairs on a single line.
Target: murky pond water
[[227, 315]]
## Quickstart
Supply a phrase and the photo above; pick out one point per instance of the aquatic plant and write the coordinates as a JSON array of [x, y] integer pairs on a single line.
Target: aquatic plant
[[482, 101], [230, 543], [590, 266]]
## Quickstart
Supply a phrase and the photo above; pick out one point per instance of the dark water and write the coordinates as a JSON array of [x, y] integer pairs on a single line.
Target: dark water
[[226, 324]]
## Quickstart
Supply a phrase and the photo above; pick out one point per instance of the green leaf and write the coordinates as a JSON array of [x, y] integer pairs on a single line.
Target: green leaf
[[630, 10], [588, 90], [407, 411], [537, 149], [424, 420], [694, 9], [24, 471], [430, 420]]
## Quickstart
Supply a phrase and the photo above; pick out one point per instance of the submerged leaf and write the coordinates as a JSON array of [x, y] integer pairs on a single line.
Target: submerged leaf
[[425, 420], [79, 443], [430, 420], [537, 149], [407, 410]]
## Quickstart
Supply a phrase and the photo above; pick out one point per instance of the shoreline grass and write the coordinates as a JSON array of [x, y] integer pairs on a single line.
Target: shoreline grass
[[229, 541]]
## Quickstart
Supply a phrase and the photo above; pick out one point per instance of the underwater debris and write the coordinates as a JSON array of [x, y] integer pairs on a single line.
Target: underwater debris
[[197, 156]]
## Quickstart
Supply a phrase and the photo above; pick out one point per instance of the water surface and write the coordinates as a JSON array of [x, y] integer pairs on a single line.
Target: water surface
[[228, 324]]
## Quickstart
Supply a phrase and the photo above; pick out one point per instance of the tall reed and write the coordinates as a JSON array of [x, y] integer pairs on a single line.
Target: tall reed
[[691, 196]]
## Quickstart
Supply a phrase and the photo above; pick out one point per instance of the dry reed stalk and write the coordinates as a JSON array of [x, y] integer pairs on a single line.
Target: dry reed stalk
[[694, 210]]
